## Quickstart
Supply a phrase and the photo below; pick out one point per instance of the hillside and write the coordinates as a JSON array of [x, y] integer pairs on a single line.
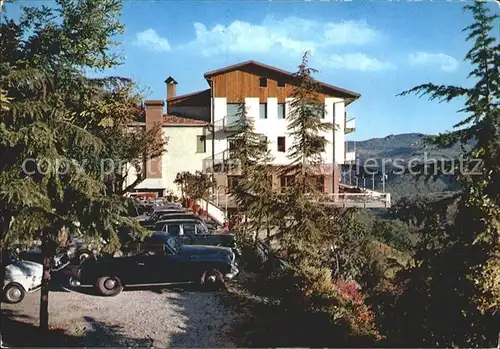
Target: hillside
[[405, 146], [397, 150]]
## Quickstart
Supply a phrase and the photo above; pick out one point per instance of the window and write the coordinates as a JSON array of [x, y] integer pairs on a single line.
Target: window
[[318, 109], [233, 113], [281, 144], [281, 110], [200, 229], [263, 82], [263, 110], [173, 229], [286, 181], [189, 229], [201, 144], [281, 83]]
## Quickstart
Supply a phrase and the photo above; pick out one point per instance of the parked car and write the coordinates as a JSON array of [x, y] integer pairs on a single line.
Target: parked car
[[21, 277], [150, 218], [192, 232], [212, 225], [162, 259], [62, 258]]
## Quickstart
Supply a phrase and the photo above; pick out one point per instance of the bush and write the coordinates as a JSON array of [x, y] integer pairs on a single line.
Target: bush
[[327, 312]]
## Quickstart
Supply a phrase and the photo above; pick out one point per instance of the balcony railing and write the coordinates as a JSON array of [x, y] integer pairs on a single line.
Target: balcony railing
[[225, 125], [350, 126], [221, 163], [367, 199]]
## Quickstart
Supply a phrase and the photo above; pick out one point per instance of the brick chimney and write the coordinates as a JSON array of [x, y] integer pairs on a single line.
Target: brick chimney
[[154, 116], [171, 89]]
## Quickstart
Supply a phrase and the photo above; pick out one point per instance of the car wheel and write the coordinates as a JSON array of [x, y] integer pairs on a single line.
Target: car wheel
[[14, 293], [109, 286], [83, 255], [212, 280]]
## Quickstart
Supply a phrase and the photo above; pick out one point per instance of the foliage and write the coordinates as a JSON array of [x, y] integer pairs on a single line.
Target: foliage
[[451, 295], [194, 185], [253, 191], [324, 246], [332, 312], [55, 132]]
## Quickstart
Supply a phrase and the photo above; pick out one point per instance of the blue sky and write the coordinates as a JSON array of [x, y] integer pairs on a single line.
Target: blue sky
[[375, 48]]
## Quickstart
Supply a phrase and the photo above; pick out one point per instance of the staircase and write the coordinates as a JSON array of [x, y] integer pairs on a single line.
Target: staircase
[[215, 212]]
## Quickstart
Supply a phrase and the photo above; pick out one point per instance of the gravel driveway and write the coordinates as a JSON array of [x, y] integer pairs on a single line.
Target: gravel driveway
[[166, 317]]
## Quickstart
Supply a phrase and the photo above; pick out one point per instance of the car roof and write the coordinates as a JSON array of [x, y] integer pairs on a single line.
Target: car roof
[[169, 210], [167, 207], [179, 214], [178, 221]]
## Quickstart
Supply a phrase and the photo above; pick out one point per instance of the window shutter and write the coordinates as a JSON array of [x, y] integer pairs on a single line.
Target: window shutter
[[263, 110], [201, 144]]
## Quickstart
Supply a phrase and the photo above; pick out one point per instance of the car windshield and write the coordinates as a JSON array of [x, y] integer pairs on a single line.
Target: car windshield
[[174, 244]]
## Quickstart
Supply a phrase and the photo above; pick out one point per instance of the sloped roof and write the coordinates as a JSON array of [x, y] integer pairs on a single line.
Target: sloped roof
[[179, 120], [339, 90], [188, 95]]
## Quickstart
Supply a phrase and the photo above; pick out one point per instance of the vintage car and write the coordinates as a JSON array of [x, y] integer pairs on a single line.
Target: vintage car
[[162, 259], [21, 277], [193, 232]]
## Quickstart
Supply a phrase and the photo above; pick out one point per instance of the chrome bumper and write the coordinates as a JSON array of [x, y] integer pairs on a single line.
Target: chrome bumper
[[232, 274], [73, 282]]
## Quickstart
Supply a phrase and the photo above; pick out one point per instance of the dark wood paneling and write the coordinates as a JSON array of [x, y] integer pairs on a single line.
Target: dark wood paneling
[[238, 84]]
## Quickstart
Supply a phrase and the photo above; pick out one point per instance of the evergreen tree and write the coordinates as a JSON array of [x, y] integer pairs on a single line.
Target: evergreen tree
[[253, 191], [50, 134], [452, 295], [305, 230]]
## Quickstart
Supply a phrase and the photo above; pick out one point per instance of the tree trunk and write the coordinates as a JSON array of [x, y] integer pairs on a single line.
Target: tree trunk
[[47, 254]]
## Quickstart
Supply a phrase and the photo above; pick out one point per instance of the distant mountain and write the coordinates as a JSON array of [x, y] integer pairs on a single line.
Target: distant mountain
[[397, 150], [404, 146]]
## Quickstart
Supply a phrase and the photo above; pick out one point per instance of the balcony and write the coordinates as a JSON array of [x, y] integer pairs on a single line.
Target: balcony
[[365, 199], [225, 125], [350, 126], [221, 163]]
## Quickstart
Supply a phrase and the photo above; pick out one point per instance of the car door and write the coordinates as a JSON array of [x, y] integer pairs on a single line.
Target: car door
[[133, 269], [189, 234], [151, 267], [202, 235]]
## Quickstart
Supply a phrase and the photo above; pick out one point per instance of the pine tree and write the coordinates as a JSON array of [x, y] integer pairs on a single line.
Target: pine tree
[[253, 191], [55, 119], [307, 226], [453, 293]]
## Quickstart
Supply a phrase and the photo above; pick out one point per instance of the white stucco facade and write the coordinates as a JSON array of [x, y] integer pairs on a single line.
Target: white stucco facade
[[273, 127], [182, 154]]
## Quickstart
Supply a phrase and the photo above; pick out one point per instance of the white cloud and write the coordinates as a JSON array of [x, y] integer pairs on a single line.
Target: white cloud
[[289, 35], [150, 39], [443, 61], [354, 61], [349, 32]]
